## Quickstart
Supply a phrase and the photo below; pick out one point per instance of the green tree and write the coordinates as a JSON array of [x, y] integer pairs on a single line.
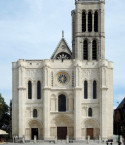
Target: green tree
[[4, 115]]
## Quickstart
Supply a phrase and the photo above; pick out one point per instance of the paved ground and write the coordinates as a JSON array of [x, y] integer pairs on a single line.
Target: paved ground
[[61, 143]]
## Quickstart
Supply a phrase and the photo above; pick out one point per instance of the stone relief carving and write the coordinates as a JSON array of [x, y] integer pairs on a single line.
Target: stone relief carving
[[62, 120]]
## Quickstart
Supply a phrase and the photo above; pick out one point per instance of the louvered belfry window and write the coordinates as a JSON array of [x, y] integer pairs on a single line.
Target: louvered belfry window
[[83, 21], [85, 50], [96, 21], [94, 50], [89, 22]]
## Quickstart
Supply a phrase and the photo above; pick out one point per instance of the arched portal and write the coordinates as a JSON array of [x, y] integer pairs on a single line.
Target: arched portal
[[34, 128], [90, 127], [61, 126], [61, 103]]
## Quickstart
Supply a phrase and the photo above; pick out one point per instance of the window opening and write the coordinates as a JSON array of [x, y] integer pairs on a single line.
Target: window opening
[[85, 90], [85, 50], [29, 90], [83, 22]]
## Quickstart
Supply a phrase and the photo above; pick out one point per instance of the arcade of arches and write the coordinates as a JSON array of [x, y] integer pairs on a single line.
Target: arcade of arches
[[62, 126]]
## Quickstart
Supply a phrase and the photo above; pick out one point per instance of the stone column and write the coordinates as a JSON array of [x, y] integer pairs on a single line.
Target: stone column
[[77, 113], [77, 104], [46, 104], [87, 22], [46, 114], [102, 27], [21, 99], [103, 113], [78, 48], [90, 89], [92, 21], [103, 103], [34, 90], [56, 104], [21, 121], [90, 50], [98, 49], [78, 19], [70, 104]]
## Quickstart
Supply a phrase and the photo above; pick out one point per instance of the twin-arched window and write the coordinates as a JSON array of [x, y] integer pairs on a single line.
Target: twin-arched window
[[94, 90], [30, 90], [94, 50], [90, 20]]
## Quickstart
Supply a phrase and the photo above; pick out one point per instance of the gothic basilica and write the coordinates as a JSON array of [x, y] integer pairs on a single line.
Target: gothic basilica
[[70, 94]]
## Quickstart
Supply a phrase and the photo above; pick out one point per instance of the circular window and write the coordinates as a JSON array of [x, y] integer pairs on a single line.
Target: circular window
[[62, 78]]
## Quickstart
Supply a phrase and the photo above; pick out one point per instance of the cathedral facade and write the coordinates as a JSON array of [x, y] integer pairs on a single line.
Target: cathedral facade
[[70, 94]]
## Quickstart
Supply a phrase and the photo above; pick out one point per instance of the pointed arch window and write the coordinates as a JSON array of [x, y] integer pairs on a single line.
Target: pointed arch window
[[83, 21], [29, 90], [94, 90], [96, 21], [89, 22], [38, 90], [34, 113], [90, 112], [85, 90], [94, 50], [62, 103], [85, 50]]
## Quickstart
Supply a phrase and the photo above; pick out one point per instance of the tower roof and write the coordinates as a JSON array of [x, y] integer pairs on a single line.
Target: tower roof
[[122, 104]]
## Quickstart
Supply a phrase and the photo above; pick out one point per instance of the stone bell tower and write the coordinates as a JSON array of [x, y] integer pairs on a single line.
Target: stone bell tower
[[88, 47], [88, 32]]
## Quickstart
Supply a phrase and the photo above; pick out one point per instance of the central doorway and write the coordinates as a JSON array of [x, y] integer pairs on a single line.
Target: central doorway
[[34, 132], [89, 132], [61, 132]]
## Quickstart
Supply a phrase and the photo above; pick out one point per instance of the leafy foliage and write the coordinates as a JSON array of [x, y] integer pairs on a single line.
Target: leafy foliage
[[4, 115]]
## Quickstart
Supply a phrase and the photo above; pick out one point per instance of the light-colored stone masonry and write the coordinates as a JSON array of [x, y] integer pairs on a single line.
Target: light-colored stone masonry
[[77, 71]]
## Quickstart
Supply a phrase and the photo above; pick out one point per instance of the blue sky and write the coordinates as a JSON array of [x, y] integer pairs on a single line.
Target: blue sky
[[31, 29]]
